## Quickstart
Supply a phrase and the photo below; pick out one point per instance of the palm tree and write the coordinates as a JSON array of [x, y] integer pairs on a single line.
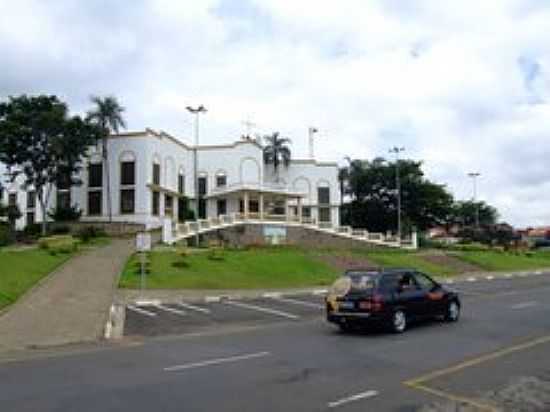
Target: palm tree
[[276, 151], [107, 114]]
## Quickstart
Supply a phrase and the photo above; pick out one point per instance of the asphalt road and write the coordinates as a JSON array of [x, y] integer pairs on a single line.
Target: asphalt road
[[239, 359]]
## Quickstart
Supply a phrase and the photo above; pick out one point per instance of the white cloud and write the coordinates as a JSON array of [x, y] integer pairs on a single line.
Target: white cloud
[[443, 79]]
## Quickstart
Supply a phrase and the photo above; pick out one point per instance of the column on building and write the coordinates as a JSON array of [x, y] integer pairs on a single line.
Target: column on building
[[300, 209], [246, 208], [261, 206]]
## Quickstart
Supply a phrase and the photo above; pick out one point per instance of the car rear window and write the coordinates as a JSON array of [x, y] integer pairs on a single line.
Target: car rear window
[[353, 282]]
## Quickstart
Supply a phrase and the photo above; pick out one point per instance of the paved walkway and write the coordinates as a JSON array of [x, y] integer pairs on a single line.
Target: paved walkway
[[71, 306]]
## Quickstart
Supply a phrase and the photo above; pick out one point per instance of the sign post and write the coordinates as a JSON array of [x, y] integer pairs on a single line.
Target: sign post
[[143, 245]]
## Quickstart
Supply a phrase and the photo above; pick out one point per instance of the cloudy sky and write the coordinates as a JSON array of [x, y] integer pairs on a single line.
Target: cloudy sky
[[463, 85]]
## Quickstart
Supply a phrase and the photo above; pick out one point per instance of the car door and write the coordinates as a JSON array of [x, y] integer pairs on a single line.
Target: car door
[[435, 295], [411, 296]]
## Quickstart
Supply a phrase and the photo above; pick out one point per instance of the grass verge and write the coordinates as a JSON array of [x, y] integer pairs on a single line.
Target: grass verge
[[21, 269], [278, 267], [502, 261]]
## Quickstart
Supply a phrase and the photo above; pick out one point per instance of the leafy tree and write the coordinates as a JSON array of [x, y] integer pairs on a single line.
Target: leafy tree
[[372, 187], [276, 152], [42, 143], [107, 114], [464, 213]]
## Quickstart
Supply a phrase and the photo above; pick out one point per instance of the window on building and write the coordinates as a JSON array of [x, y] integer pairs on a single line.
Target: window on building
[[31, 200], [156, 174], [63, 199], [253, 206], [95, 175], [127, 173], [324, 214], [221, 181], [12, 199], [222, 206], [181, 184], [64, 182], [168, 205], [202, 186], [30, 218], [202, 208], [156, 203], [306, 211], [94, 202], [127, 201], [323, 195]]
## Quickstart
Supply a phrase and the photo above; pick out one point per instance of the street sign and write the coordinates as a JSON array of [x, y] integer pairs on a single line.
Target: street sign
[[143, 242]]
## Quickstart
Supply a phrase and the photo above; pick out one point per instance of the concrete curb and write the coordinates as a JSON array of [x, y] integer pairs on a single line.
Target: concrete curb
[[153, 297]]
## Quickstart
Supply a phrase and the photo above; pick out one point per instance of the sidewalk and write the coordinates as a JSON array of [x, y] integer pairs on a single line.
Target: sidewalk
[[71, 306]]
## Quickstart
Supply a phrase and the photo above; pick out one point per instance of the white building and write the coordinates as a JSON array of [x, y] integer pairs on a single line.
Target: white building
[[151, 176]]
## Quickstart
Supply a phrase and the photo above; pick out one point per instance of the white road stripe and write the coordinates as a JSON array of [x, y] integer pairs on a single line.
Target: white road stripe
[[300, 302], [320, 292], [508, 275], [141, 311], [212, 299], [218, 361], [490, 277], [472, 279], [538, 272], [272, 295], [523, 275], [193, 307], [262, 309], [171, 310], [524, 305], [353, 398]]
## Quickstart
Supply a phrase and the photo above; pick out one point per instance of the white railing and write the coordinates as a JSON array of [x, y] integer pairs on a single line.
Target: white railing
[[182, 230]]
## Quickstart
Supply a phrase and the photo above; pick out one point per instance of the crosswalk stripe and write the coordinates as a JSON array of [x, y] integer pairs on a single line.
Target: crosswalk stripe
[[299, 302], [171, 310], [262, 309], [141, 311], [193, 307]]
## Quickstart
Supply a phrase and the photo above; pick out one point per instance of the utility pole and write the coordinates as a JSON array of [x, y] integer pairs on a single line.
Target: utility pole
[[396, 150], [196, 111], [474, 176], [311, 132]]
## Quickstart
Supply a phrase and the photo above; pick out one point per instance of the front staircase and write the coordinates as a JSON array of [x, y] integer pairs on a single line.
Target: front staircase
[[174, 232]]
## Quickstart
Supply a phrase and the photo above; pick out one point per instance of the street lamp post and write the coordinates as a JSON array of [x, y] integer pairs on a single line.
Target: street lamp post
[[396, 150], [196, 111], [474, 176]]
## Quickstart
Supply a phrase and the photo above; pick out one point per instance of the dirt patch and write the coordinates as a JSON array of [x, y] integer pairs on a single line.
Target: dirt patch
[[458, 265], [344, 262]]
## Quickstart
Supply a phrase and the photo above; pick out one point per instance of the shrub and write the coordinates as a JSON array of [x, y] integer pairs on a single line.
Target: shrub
[[58, 244], [216, 253], [60, 230], [5, 235], [65, 214], [90, 232], [33, 231]]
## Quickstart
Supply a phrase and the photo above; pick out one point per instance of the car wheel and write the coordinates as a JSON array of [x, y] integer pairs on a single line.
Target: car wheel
[[453, 311], [398, 321]]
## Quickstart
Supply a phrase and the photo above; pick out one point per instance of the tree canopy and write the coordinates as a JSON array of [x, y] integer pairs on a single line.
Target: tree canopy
[[277, 151], [42, 143], [370, 187]]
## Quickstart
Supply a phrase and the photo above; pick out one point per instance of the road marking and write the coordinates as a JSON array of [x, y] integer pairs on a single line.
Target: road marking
[[419, 383], [193, 307], [490, 277], [141, 311], [320, 292], [272, 295], [353, 398], [262, 309], [218, 361], [300, 302], [171, 310], [538, 272], [508, 275], [472, 279], [212, 299], [523, 275], [524, 305]]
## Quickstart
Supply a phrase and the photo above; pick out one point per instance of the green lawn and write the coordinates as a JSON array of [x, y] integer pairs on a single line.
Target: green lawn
[[501, 261], [239, 269], [21, 269], [402, 259]]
